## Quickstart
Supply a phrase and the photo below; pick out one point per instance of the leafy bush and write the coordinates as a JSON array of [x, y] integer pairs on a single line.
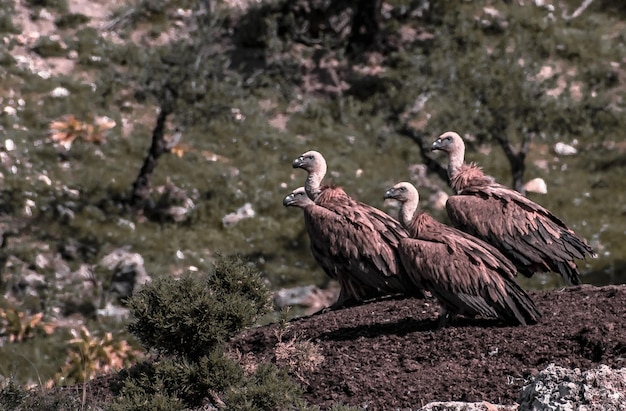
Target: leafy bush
[[269, 388], [176, 383], [189, 381], [135, 398], [193, 315], [90, 356], [189, 320]]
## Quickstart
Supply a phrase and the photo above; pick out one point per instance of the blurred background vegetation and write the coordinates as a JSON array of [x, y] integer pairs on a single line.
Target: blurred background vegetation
[[168, 128]]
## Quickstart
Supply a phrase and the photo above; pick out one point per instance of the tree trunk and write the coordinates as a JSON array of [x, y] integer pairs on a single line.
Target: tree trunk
[[365, 32], [426, 152], [516, 160], [141, 186]]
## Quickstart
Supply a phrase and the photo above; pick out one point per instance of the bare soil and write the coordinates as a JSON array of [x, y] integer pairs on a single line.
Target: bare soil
[[392, 355]]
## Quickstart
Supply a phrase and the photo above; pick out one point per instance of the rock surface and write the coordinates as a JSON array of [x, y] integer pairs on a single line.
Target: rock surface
[[127, 271], [557, 388]]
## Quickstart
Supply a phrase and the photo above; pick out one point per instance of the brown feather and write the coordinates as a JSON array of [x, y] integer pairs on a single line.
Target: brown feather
[[527, 233], [364, 240], [468, 276], [354, 241]]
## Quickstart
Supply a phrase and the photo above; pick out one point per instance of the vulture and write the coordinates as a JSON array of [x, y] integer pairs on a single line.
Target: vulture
[[350, 293], [355, 243], [533, 238], [466, 275]]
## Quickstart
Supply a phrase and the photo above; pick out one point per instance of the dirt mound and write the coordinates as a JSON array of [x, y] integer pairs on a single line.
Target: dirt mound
[[390, 354]]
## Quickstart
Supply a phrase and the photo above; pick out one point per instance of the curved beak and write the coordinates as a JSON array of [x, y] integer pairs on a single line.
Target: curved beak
[[391, 193], [437, 145], [287, 201], [297, 163]]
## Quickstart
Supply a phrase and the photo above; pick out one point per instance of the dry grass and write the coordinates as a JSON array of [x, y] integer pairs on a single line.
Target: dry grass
[[299, 356]]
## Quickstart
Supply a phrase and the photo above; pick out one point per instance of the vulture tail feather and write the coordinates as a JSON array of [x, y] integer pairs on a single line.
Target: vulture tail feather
[[523, 308], [569, 273]]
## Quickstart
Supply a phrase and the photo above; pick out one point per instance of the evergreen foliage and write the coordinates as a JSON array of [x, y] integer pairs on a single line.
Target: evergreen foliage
[[189, 320], [191, 316], [267, 390], [188, 381]]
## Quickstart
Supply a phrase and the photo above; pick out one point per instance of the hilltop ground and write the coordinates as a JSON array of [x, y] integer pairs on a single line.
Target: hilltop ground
[[390, 354]]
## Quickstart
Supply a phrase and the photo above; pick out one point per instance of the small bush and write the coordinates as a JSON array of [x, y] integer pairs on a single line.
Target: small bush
[[193, 315], [299, 357], [187, 381], [71, 20], [189, 320], [181, 384], [89, 356], [269, 388], [137, 399]]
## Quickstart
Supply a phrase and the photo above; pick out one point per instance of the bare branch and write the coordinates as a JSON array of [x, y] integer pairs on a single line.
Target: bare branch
[[425, 150], [516, 159], [579, 10]]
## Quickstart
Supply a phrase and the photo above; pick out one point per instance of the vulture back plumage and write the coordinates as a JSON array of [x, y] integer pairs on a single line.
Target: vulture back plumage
[[355, 241], [467, 276], [315, 219], [527, 233]]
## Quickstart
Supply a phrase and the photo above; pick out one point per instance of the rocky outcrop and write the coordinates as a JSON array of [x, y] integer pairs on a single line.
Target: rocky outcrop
[[127, 270], [557, 388]]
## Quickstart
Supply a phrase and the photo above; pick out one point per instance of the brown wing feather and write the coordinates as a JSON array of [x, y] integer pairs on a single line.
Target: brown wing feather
[[351, 240], [466, 275], [326, 255], [528, 234]]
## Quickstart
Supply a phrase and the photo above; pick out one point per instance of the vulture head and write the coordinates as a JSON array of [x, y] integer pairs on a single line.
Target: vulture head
[[453, 144], [403, 192], [313, 163], [297, 198], [407, 195], [450, 142]]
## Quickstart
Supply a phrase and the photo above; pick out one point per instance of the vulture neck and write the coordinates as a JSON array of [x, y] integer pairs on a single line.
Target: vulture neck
[[408, 212], [455, 161], [313, 183]]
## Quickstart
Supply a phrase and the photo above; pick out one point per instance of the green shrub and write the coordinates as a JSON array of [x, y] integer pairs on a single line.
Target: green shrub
[[71, 20], [187, 381], [46, 46], [180, 384], [193, 315], [269, 388], [189, 320], [135, 398]]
